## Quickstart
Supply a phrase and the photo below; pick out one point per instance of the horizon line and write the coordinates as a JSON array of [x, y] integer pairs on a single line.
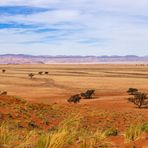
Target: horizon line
[[71, 55]]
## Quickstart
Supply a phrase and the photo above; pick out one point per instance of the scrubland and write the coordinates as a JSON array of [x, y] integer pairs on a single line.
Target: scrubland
[[35, 111]]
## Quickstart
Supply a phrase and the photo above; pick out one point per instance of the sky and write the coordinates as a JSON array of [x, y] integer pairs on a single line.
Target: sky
[[74, 27]]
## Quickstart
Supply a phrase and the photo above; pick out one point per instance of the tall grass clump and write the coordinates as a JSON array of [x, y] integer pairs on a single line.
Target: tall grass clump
[[69, 133], [65, 134], [133, 133], [5, 136], [96, 139]]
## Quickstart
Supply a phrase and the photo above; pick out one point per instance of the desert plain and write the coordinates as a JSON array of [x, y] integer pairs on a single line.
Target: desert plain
[[109, 107]]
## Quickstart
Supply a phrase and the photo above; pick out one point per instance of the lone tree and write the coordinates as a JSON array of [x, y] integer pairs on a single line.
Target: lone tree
[[31, 75], [3, 70], [75, 98], [139, 99], [132, 91], [88, 94]]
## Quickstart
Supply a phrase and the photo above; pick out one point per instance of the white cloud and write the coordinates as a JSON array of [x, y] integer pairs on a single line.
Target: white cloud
[[120, 27]]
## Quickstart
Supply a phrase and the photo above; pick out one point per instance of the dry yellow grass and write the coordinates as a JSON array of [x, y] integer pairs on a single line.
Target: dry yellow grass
[[65, 80]]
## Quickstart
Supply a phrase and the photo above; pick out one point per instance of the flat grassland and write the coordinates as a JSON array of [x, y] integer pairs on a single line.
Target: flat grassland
[[109, 81], [109, 106]]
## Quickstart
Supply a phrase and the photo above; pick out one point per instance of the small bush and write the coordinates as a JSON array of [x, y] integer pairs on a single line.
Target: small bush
[[144, 127], [3, 93], [111, 132], [40, 73], [75, 98], [3, 70], [88, 94]]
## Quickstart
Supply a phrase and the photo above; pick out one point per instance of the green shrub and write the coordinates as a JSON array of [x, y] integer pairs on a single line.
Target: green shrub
[[111, 132], [144, 127]]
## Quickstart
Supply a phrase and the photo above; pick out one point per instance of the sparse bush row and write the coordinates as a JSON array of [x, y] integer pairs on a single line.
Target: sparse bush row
[[86, 95], [31, 75]]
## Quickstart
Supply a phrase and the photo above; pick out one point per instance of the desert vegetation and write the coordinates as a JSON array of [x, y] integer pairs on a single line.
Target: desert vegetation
[[75, 98], [90, 118], [86, 95], [139, 99], [31, 75], [40, 72], [46, 72], [3, 93], [3, 70], [71, 131], [132, 91]]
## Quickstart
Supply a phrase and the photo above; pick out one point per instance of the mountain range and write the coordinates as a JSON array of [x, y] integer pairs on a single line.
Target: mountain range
[[30, 59]]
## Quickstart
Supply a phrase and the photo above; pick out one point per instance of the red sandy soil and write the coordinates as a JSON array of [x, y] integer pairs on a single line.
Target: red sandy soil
[[115, 112]]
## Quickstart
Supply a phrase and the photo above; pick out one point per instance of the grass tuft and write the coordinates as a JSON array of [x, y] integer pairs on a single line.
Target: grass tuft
[[133, 133]]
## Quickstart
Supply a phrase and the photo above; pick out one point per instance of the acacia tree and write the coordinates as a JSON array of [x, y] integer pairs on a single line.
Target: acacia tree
[[31, 75], [139, 99]]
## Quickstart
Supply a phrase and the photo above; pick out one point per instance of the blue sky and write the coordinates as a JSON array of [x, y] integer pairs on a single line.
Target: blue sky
[[74, 27]]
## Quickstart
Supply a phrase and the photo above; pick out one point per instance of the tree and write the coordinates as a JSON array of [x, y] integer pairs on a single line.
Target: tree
[[3, 70], [31, 75], [139, 99], [132, 91]]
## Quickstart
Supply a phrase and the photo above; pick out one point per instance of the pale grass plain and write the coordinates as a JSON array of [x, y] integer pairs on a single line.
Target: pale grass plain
[[109, 81]]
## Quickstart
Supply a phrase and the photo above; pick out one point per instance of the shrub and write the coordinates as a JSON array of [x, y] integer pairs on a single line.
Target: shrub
[[46, 73], [139, 99], [144, 127], [75, 98], [40, 73], [3, 93], [3, 70], [88, 94], [111, 132]]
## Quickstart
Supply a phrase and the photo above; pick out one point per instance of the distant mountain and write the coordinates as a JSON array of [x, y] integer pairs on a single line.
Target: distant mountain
[[30, 59]]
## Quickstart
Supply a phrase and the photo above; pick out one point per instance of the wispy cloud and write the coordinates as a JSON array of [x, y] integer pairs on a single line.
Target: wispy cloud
[[74, 27]]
